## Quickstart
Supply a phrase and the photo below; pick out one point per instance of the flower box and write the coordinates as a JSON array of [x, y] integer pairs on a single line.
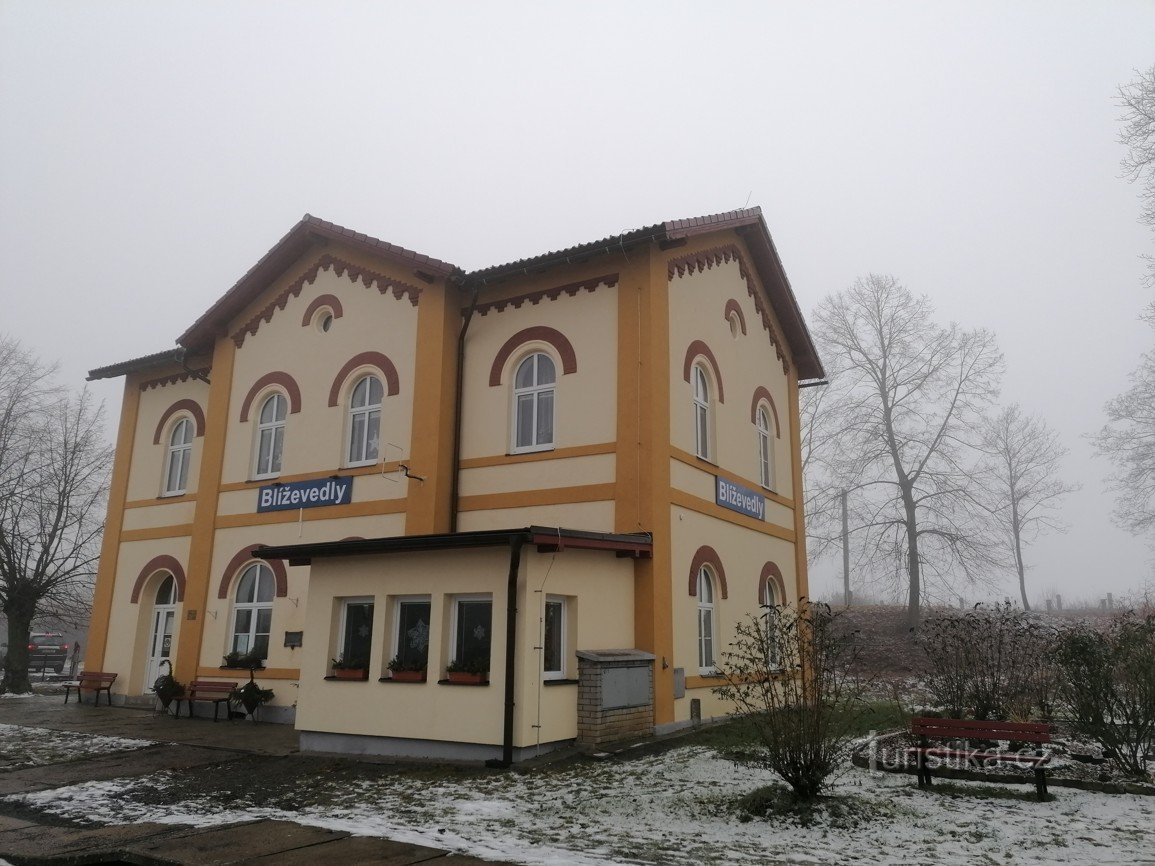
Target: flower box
[[350, 674], [408, 676], [467, 678]]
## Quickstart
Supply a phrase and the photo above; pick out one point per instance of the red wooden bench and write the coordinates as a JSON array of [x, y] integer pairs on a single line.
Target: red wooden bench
[[208, 691], [955, 730], [91, 681]]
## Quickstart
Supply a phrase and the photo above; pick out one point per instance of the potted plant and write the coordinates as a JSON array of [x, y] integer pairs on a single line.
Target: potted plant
[[251, 696], [166, 687], [474, 672], [412, 671], [249, 661], [350, 669]]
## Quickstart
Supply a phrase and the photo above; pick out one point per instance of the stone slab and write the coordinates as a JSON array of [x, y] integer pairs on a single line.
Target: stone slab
[[35, 844], [358, 851], [234, 843], [138, 762]]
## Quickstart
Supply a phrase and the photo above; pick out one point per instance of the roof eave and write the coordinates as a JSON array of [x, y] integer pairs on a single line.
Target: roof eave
[[769, 264], [545, 537], [145, 362]]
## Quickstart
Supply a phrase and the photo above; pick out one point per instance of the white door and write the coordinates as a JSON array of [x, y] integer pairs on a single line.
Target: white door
[[160, 636]]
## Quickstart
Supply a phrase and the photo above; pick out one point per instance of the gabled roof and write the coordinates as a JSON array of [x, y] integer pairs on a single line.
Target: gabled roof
[[748, 223], [287, 250], [667, 231]]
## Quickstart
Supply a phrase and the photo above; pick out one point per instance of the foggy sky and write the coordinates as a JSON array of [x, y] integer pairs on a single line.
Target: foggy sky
[[151, 153]]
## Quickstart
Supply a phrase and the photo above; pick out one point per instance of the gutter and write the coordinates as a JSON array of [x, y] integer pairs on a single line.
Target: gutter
[[515, 545], [455, 476]]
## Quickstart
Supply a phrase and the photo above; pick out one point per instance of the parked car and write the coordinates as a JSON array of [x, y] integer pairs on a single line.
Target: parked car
[[47, 650]]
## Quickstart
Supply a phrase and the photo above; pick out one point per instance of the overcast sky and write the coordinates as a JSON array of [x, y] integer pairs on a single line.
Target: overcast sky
[[151, 153]]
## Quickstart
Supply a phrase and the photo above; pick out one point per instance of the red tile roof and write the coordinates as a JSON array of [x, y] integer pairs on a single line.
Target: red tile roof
[[747, 222]]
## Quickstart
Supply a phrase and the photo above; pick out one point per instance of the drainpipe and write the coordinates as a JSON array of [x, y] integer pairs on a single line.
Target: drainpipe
[[515, 546], [455, 478]]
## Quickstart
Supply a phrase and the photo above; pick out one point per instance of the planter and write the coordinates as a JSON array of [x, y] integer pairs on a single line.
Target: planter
[[467, 679], [408, 676], [350, 674]]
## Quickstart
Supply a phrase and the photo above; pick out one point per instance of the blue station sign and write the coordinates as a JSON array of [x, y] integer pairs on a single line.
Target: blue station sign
[[740, 499], [305, 494]]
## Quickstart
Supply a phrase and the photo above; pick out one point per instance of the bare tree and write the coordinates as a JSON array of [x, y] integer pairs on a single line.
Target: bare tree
[[911, 396], [1128, 440], [1024, 461], [1138, 101], [53, 482]]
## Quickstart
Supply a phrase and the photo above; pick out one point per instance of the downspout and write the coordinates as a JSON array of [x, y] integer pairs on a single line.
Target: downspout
[[455, 478], [515, 546]]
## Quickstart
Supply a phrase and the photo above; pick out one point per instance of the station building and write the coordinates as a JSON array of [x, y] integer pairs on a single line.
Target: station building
[[562, 480]]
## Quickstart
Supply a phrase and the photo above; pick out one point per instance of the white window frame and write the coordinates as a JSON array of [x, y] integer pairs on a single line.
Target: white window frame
[[339, 650], [456, 600], [703, 432], [398, 600], [707, 659], [178, 452], [352, 415], [536, 391], [254, 606], [765, 448], [560, 673], [273, 427]]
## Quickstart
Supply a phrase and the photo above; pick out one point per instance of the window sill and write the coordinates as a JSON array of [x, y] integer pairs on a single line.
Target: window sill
[[241, 668], [706, 460], [518, 452], [173, 494], [404, 682], [467, 685], [559, 682], [334, 679]]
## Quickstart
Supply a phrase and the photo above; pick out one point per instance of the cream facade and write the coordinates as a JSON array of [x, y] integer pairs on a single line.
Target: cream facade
[[364, 454]]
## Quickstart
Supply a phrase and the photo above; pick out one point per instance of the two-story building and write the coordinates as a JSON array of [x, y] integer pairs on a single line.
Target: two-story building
[[366, 455]]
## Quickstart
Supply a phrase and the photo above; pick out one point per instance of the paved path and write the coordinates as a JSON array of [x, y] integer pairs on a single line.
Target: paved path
[[185, 743]]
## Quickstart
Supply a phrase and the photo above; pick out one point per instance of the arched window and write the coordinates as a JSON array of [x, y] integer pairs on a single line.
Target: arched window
[[701, 413], [765, 454], [705, 622], [177, 457], [253, 611], [533, 387], [365, 421], [166, 592], [271, 436], [771, 618]]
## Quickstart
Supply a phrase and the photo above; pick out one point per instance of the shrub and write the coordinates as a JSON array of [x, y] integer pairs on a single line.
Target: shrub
[[789, 672], [993, 662], [1108, 687]]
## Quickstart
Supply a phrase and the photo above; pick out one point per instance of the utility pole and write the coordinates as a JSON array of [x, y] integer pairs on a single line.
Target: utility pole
[[845, 553]]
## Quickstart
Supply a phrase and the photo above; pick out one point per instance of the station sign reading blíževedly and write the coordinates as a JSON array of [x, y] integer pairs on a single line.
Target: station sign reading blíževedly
[[305, 494], [740, 499]]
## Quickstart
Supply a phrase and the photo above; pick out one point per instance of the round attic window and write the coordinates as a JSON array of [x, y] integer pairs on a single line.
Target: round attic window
[[323, 320], [735, 325]]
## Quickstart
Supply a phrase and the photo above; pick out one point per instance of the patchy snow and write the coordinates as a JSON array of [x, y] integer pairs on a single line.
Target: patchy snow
[[33, 747], [676, 807]]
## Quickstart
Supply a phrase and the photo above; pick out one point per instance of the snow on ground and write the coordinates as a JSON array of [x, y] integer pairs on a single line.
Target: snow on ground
[[675, 808], [34, 747]]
